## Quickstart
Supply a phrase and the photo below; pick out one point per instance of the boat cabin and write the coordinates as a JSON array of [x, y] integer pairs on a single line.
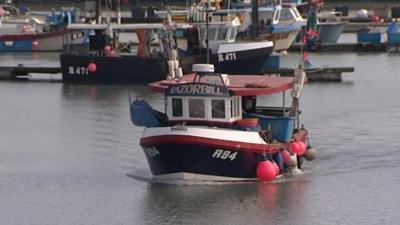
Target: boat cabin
[[203, 101], [219, 100], [218, 33], [209, 99]]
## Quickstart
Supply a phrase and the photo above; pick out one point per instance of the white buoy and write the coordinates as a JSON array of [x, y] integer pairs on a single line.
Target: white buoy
[[310, 154], [362, 13], [171, 70], [178, 73], [292, 161]]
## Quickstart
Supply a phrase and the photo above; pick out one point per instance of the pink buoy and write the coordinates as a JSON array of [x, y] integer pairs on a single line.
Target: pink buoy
[[375, 19], [92, 67], [24, 29], [285, 156], [266, 171], [302, 148], [295, 147], [276, 167], [2, 12], [113, 53], [107, 48], [35, 44]]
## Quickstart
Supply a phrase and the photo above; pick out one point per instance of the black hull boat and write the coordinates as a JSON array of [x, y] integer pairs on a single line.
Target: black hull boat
[[156, 56], [112, 69], [128, 69], [210, 154], [213, 129]]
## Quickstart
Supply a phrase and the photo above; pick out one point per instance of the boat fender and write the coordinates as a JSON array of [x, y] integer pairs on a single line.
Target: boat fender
[[171, 71], [310, 154], [276, 167], [292, 161], [179, 73], [298, 147], [266, 171], [285, 156], [92, 67]]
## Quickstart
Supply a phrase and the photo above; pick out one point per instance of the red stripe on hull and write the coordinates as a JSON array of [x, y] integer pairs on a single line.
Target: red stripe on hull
[[208, 142]]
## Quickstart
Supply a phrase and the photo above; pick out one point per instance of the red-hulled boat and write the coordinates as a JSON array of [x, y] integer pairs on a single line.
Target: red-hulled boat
[[213, 129]]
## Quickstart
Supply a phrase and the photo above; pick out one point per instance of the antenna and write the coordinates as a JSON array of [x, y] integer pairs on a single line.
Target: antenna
[[207, 45]]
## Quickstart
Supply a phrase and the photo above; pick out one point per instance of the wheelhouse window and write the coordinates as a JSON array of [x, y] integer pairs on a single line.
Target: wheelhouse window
[[277, 14], [235, 107], [222, 33], [286, 15], [218, 108], [211, 33], [177, 107], [233, 33], [196, 108]]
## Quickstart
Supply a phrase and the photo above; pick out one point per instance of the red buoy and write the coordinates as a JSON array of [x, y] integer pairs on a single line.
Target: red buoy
[[285, 156], [24, 29], [107, 48], [92, 67], [295, 147], [35, 44], [266, 171], [375, 19], [302, 149], [112, 53], [276, 167]]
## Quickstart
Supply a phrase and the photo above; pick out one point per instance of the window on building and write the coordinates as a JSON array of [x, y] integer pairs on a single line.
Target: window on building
[[177, 107], [218, 108], [196, 108]]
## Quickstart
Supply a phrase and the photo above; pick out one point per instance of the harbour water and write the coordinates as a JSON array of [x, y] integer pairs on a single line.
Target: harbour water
[[70, 155]]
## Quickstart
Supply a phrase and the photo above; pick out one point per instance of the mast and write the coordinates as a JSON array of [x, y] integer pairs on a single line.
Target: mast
[[207, 18], [98, 16], [254, 18]]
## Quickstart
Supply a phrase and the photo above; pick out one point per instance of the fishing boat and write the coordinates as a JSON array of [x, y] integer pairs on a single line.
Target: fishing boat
[[213, 127], [276, 22], [21, 32], [330, 26], [156, 55]]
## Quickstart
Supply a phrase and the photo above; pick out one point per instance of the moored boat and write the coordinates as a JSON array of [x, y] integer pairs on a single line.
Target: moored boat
[[20, 32], [213, 129], [150, 59]]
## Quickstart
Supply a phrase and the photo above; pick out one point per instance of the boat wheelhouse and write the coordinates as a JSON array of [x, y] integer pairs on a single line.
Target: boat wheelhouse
[[213, 129], [278, 24], [229, 55]]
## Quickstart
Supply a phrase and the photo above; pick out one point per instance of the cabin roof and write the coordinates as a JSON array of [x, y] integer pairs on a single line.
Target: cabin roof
[[239, 85]]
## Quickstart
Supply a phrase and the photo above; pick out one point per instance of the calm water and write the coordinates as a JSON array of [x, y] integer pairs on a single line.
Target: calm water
[[68, 155]]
